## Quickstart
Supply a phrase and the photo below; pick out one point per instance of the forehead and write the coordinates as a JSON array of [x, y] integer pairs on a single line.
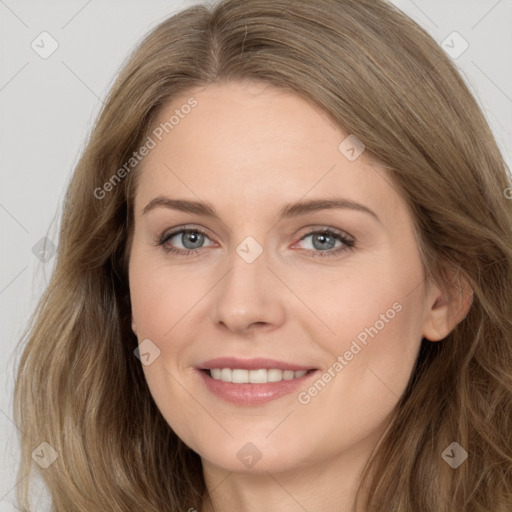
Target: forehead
[[249, 143], [250, 115]]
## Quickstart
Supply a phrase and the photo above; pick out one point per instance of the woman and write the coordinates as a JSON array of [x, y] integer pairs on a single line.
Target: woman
[[202, 346]]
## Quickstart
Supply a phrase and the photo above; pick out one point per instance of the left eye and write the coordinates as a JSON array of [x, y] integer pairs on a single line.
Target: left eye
[[323, 239]]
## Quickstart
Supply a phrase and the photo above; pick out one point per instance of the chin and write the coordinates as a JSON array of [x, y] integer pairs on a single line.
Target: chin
[[256, 456]]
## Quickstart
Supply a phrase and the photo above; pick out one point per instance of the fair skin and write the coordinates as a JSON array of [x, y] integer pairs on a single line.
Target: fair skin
[[248, 150]]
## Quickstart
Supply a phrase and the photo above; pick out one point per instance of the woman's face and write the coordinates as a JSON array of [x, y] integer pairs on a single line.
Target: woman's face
[[246, 169]]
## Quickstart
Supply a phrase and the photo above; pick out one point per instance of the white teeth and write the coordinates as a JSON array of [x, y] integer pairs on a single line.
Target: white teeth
[[258, 376], [240, 376], [261, 376], [225, 375], [274, 375]]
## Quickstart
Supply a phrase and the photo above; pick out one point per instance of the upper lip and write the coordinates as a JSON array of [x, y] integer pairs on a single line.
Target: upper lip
[[251, 364]]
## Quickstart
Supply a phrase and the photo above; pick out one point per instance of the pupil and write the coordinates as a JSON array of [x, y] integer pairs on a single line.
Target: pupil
[[323, 238], [194, 235]]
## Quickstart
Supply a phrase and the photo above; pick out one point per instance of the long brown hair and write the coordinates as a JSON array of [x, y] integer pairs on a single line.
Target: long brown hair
[[379, 76]]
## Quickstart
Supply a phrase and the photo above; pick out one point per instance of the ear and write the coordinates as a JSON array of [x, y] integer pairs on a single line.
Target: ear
[[134, 326], [446, 307]]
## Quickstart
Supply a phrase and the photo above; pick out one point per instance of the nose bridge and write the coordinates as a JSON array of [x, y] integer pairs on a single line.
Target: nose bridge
[[246, 294], [248, 265]]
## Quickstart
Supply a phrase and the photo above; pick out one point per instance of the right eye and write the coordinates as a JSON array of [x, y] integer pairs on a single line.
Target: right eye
[[194, 237]]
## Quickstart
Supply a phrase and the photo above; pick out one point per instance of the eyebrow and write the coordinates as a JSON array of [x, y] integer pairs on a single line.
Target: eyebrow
[[295, 209]]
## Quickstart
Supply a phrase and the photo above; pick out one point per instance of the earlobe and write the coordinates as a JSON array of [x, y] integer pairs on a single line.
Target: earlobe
[[134, 326], [448, 308]]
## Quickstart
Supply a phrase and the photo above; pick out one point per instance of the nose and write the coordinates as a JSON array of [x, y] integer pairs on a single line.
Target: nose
[[249, 296]]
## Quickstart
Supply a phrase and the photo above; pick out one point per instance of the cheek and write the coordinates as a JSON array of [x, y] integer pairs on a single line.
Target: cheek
[[361, 385], [348, 299], [375, 323], [161, 298], [160, 294]]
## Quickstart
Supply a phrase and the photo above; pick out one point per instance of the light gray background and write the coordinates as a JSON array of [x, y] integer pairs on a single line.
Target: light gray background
[[47, 107]]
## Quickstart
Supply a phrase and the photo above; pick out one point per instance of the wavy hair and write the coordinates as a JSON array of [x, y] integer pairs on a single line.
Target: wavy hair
[[379, 76]]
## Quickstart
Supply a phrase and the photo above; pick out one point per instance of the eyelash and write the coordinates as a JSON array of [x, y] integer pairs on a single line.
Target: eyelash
[[349, 244]]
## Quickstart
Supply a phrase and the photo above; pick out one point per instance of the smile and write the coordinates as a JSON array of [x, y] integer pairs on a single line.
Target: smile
[[252, 382]]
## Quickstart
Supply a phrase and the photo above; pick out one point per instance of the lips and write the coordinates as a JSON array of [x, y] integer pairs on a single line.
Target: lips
[[252, 381]]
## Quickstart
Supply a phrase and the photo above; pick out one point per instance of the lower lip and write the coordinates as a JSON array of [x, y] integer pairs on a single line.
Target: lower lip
[[253, 394]]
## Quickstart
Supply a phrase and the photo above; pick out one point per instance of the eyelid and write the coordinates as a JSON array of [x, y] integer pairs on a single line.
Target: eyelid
[[169, 233], [318, 228]]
